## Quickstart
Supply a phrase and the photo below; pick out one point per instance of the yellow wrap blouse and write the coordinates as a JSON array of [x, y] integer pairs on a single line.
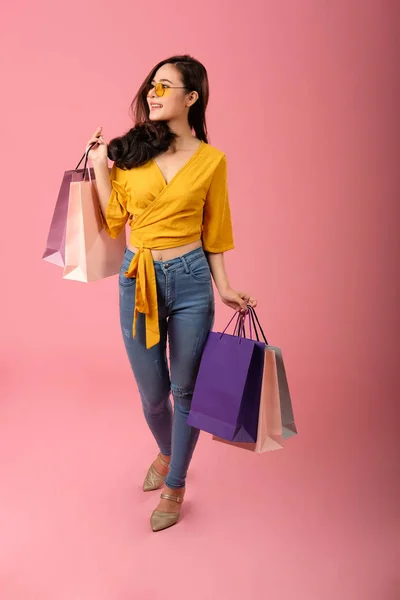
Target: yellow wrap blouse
[[194, 205]]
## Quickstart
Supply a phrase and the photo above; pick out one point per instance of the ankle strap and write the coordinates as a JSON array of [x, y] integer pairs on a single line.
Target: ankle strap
[[174, 498], [162, 461]]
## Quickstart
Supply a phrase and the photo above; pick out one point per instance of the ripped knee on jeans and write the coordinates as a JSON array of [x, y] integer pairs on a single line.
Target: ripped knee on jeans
[[183, 397]]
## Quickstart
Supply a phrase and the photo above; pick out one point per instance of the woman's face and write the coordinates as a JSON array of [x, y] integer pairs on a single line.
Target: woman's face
[[175, 102]]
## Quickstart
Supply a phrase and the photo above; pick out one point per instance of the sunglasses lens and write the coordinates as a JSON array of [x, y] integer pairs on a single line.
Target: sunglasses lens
[[158, 88]]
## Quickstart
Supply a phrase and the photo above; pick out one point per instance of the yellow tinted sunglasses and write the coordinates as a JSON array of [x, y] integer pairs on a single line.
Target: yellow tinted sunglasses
[[160, 88]]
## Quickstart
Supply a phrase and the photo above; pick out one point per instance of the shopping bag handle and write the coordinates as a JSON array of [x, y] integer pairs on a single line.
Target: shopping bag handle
[[238, 316], [239, 330], [255, 320], [252, 320], [86, 157], [239, 326]]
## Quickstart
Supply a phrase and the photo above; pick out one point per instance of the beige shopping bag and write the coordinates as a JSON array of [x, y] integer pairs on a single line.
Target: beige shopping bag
[[90, 253]]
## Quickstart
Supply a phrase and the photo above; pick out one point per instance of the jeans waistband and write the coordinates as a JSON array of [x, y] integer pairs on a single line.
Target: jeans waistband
[[188, 257]]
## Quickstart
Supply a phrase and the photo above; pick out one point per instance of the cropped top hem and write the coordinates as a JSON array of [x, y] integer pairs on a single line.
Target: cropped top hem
[[156, 246]]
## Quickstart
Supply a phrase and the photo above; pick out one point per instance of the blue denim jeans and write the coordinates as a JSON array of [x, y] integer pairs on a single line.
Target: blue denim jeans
[[186, 315]]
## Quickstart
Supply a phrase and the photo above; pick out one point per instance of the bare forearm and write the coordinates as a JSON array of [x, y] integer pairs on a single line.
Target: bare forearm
[[218, 270], [236, 300], [103, 183]]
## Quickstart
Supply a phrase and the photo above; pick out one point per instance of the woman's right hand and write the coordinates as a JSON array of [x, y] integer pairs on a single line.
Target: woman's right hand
[[97, 153]]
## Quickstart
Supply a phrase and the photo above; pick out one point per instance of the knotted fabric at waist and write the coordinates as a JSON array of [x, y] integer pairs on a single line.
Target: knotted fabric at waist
[[142, 268]]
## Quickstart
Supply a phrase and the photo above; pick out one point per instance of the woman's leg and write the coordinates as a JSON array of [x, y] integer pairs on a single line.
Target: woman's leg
[[189, 323], [149, 366]]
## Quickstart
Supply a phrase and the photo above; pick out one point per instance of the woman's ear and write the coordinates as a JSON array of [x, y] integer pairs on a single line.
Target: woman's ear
[[193, 96]]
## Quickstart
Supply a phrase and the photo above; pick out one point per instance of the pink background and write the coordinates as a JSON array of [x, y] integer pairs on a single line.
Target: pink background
[[304, 101]]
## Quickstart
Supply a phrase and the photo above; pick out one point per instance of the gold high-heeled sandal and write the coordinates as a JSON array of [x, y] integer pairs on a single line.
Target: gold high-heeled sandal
[[153, 479], [161, 520]]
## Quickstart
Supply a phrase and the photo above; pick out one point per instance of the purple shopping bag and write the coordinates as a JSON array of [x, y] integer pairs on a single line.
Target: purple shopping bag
[[55, 245], [226, 397]]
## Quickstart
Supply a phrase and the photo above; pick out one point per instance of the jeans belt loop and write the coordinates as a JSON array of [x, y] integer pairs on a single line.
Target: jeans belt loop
[[184, 261]]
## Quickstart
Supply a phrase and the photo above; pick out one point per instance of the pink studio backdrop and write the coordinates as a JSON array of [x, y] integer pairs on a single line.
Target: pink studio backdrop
[[304, 103]]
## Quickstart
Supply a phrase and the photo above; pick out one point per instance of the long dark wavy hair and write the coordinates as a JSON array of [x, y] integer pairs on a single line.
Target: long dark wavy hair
[[149, 138]]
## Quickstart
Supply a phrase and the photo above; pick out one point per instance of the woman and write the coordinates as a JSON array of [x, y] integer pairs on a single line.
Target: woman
[[171, 186]]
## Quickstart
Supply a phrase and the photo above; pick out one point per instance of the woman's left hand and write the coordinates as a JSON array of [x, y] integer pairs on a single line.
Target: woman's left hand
[[237, 300]]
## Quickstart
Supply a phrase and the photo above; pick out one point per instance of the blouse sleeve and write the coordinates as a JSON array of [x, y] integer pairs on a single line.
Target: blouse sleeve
[[116, 214], [217, 226]]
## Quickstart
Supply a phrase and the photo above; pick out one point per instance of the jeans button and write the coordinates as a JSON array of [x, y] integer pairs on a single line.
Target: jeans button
[[166, 265]]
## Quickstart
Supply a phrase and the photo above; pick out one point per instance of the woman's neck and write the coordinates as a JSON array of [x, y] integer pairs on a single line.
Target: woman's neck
[[185, 137]]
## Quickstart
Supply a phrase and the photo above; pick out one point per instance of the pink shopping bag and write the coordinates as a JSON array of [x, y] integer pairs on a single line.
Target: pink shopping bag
[[55, 245], [77, 240], [90, 253]]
